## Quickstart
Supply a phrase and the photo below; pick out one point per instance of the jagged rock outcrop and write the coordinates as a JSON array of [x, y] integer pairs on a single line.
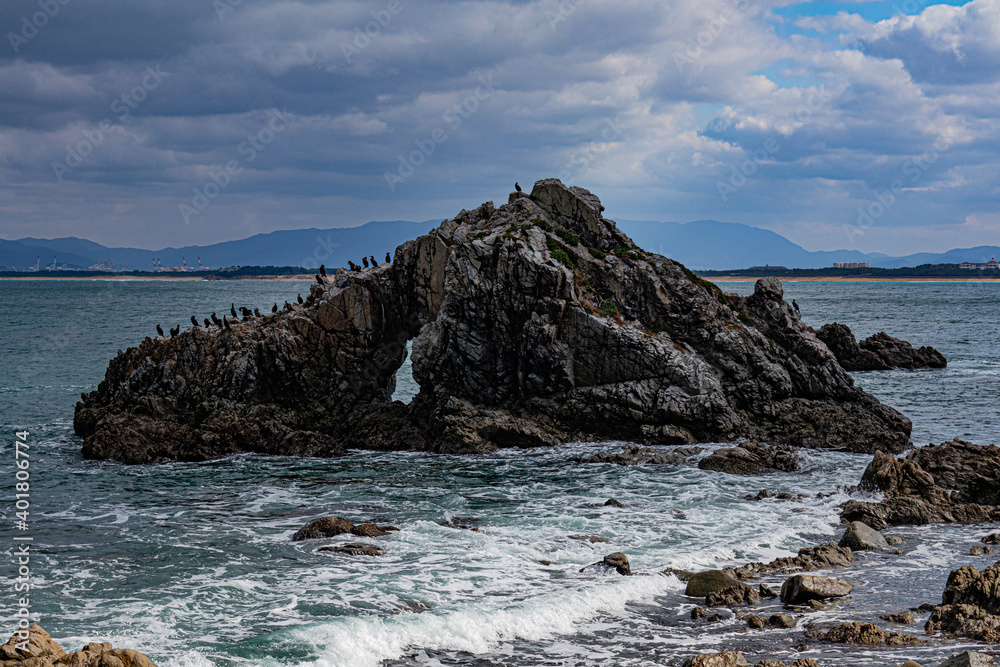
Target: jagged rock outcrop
[[970, 605], [532, 324], [955, 482], [820, 557], [880, 352], [43, 651]]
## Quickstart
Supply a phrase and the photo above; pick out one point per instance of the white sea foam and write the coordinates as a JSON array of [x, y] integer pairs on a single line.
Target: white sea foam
[[362, 642]]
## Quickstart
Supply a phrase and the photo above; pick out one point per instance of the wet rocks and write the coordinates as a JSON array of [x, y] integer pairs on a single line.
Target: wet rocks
[[705, 583], [593, 539], [774, 621], [750, 459], [979, 551], [724, 659], [616, 561], [519, 338], [902, 618], [861, 537], [992, 538], [955, 482], [611, 502], [801, 662], [876, 353], [356, 549], [804, 587], [44, 652], [767, 592], [970, 605], [968, 659], [864, 634], [820, 557], [332, 526], [634, 455], [732, 596], [756, 622], [700, 613]]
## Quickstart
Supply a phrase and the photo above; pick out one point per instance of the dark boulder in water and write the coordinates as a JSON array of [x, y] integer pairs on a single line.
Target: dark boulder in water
[[750, 459], [970, 604], [880, 352], [864, 634], [533, 323]]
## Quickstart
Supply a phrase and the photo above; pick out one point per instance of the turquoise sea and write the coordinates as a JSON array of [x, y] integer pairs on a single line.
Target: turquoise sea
[[193, 564]]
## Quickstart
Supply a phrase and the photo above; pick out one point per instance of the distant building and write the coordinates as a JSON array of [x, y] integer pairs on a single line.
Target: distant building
[[852, 265], [991, 265], [768, 267], [104, 265]]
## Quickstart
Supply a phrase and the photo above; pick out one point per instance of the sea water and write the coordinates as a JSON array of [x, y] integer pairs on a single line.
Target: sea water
[[193, 563]]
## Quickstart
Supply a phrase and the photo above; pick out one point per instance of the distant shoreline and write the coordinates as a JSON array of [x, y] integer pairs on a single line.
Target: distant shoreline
[[852, 279], [176, 278]]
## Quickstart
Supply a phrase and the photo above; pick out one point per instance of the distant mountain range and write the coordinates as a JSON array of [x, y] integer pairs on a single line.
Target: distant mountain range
[[701, 245]]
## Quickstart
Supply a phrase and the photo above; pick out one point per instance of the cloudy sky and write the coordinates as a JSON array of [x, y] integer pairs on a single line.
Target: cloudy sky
[[867, 125]]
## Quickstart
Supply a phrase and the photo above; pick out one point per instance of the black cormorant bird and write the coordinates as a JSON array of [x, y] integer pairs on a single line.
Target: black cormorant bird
[[245, 312], [288, 306], [256, 312], [517, 186], [364, 260], [274, 308], [159, 330], [372, 258], [319, 279], [232, 309], [795, 306], [354, 267], [207, 323], [194, 322], [300, 298], [388, 258], [175, 330], [225, 321], [322, 270], [216, 320]]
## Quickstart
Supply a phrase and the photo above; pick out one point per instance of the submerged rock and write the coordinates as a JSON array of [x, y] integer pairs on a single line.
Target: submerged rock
[[902, 618], [332, 526], [44, 652], [750, 459], [801, 662], [992, 538], [865, 634], [611, 502], [861, 537], [616, 561], [955, 482], [355, 549], [804, 587], [521, 337], [876, 353], [635, 455]]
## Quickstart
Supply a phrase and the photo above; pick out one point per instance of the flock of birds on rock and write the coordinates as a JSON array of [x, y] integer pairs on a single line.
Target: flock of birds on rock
[[225, 322]]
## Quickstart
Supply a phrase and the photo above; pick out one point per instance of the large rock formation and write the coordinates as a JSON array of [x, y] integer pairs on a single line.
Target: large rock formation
[[880, 352], [955, 482], [533, 323]]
